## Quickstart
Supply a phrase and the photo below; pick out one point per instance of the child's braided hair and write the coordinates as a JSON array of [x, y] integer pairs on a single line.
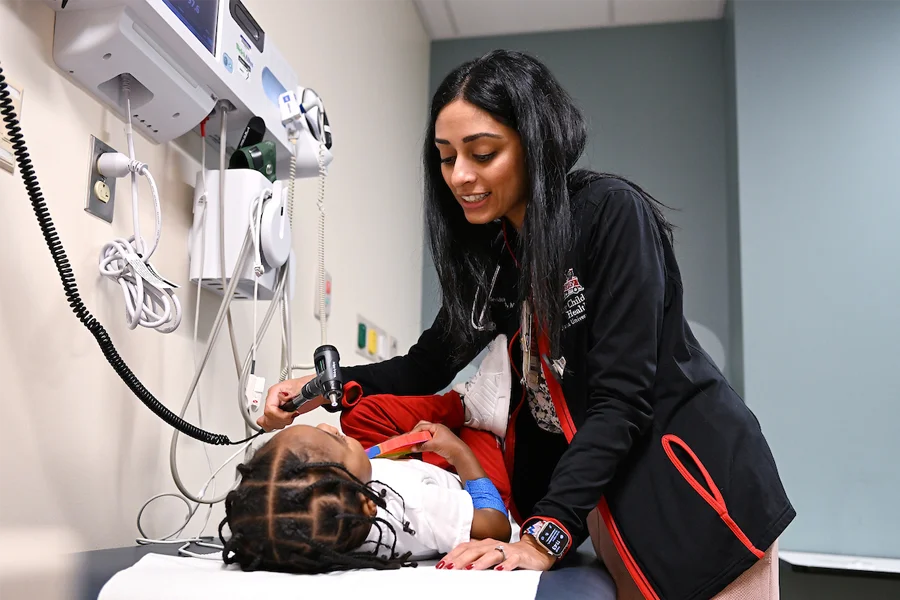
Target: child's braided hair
[[290, 514]]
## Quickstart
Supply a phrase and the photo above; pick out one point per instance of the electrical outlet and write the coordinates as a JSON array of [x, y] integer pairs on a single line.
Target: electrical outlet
[[7, 158], [373, 342], [101, 192]]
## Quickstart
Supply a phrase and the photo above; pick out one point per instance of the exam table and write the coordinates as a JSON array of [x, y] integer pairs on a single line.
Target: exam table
[[579, 576]]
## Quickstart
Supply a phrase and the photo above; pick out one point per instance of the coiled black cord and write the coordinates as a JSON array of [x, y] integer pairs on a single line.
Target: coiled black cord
[[67, 276]]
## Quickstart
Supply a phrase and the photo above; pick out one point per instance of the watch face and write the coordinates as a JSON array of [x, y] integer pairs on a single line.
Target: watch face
[[553, 538]]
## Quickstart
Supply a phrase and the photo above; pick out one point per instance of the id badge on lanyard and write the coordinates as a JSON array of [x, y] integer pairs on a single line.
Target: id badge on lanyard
[[529, 373], [531, 366]]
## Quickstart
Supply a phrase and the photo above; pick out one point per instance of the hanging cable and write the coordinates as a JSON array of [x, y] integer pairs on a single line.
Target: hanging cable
[[245, 370], [256, 212], [67, 277], [203, 201], [145, 539], [280, 286], [150, 301], [223, 134], [202, 206]]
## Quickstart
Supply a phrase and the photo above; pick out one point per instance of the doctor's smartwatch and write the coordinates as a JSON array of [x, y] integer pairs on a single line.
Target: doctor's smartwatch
[[550, 536]]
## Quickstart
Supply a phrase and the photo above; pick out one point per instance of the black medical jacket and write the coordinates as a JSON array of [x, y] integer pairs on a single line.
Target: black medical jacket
[[654, 436]]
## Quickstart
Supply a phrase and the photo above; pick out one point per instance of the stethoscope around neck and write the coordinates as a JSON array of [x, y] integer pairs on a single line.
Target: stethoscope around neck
[[481, 325]]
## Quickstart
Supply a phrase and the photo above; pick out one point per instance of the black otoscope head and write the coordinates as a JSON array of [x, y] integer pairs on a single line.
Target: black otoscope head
[[328, 381], [328, 372]]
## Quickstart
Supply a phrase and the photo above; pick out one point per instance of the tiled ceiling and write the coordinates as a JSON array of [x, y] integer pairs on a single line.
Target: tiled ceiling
[[451, 19]]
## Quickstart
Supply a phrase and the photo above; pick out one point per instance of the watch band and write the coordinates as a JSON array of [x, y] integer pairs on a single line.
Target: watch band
[[550, 535]]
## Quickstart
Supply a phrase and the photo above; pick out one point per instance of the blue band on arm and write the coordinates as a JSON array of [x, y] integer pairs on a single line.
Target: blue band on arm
[[485, 495]]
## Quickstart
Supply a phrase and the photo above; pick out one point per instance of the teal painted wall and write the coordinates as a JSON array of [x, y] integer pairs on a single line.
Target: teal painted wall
[[818, 147], [733, 219]]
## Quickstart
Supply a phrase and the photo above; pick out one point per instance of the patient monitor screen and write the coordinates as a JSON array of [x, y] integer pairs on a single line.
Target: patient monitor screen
[[200, 17]]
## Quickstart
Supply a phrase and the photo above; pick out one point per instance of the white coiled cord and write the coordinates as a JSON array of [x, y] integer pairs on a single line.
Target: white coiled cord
[[292, 182], [320, 204], [287, 372], [286, 345]]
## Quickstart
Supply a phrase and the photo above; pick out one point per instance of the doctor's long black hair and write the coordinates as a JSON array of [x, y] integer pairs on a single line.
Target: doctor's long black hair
[[520, 92]]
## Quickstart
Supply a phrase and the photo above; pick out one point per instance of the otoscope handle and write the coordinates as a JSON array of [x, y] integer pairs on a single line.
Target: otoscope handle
[[311, 390]]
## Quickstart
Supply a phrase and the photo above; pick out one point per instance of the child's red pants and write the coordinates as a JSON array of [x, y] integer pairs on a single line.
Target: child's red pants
[[374, 419]]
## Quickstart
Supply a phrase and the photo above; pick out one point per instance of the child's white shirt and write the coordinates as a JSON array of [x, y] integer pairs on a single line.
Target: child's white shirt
[[432, 500]]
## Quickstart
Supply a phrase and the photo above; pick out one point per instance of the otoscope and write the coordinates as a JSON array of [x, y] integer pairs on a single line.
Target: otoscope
[[327, 382]]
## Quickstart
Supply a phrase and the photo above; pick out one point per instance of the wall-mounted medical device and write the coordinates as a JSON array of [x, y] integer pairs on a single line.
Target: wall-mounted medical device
[[270, 234], [166, 67], [183, 57]]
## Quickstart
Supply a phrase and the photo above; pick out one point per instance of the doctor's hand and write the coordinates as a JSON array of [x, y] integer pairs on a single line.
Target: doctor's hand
[[275, 418], [483, 554]]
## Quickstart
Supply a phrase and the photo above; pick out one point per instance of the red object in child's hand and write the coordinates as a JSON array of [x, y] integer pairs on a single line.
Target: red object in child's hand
[[399, 446]]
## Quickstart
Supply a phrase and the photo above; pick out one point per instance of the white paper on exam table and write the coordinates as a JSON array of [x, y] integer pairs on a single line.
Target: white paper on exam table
[[158, 576]]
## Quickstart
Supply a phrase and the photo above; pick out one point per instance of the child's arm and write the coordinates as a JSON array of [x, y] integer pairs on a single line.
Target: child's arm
[[487, 523]]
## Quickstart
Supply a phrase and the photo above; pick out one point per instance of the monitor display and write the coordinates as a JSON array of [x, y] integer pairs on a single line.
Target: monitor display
[[200, 17]]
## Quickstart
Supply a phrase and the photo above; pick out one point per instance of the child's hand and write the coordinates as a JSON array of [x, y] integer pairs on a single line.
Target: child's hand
[[443, 442]]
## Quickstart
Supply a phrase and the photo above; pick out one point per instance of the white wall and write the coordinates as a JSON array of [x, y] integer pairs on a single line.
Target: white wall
[[78, 450]]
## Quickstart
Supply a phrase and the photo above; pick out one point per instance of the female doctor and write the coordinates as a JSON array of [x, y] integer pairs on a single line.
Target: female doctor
[[621, 427]]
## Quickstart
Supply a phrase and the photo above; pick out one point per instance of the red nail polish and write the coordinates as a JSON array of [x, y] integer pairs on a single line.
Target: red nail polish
[[439, 565], [498, 568], [448, 566], [469, 567]]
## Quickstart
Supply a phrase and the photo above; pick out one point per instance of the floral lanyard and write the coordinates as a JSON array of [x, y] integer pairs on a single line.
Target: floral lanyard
[[531, 368], [530, 376]]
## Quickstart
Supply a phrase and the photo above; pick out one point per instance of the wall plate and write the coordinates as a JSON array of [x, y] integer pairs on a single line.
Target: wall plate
[[7, 158], [373, 342], [93, 203]]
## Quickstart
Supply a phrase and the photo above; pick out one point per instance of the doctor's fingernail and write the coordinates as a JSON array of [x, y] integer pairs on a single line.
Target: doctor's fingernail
[[448, 566], [498, 568], [440, 565], [469, 567]]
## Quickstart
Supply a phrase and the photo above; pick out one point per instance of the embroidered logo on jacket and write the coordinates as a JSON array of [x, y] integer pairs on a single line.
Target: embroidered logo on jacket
[[573, 294]]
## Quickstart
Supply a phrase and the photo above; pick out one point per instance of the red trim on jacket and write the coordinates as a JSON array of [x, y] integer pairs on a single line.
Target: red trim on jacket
[[715, 499], [509, 444], [569, 429], [634, 570]]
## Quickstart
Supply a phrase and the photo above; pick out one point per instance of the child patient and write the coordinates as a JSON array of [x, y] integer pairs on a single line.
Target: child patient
[[311, 501]]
